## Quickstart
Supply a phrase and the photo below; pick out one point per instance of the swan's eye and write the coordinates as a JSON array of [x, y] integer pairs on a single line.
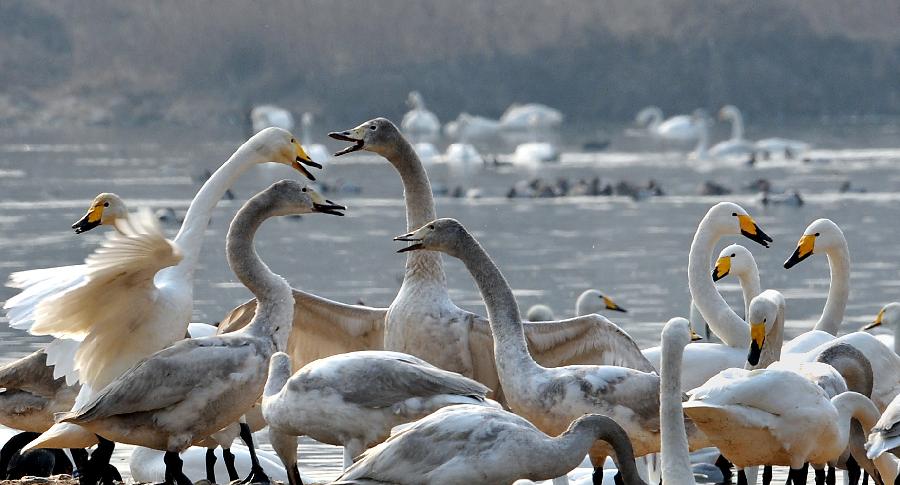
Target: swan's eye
[[431, 227], [303, 189], [733, 255], [734, 214], [817, 234], [293, 140], [373, 127], [106, 204]]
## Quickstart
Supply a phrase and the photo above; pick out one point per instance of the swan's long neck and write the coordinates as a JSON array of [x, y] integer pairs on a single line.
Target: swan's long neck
[[575, 442], [854, 405], [190, 236], [676, 460], [702, 141], [750, 286], [421, 266], [723, 321], [510, 349], [279, 373], [656, 117], [838, 292], [737, 125], [275, 309]]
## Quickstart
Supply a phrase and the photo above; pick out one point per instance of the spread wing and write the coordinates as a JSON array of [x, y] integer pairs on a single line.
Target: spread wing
[[321, 328]]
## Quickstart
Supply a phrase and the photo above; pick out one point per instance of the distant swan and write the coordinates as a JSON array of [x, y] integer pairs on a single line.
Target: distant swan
[[736, 145], [419, 122], [889, 316], [523, 117], [588, 302], [676, 128], [269, 115]]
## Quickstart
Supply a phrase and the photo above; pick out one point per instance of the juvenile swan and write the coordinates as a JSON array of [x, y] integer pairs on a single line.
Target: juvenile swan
[[465, 444], [180, 395], [353, 400], [548, 397]]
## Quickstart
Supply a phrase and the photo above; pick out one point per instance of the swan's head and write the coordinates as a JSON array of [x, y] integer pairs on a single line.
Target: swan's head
[[442, 235], [592, 301], [678, 332], [734, 259], [889, 316], [729, 218], [820, 236], [104, 210], [378, 135], [729, 112], [762, 315], [290, 197], [539, 313], [279, 146]]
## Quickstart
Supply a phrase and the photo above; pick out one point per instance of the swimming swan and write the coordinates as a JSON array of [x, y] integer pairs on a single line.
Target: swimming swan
[[588, 302], [548, 397], [465, 444], [889, 316], [676, 128], [201, 385], [419, 121], [736, 145], [354, 399]]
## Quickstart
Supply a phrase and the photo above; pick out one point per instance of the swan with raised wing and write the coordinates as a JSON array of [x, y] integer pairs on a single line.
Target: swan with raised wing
[[199, 386]]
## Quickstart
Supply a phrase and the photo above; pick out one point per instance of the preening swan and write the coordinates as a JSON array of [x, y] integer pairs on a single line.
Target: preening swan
[[676, 128], [353, 400], [889, 316], [548, 397], [199, 386], [465, 444]]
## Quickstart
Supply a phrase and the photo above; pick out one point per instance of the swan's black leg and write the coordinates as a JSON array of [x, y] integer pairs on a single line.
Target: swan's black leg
[[831, 479], [767, 475], [724, 466], [211, 465], [742, 477], [95, 472], [798, 476], [228, 456], [820, 476], [294, 475], [80, 457], [174, 473], [257, 474]]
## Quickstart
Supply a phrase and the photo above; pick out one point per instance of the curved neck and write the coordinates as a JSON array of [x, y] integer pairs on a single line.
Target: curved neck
[[275, 308], [737, 126], [279, 373], [575, 442], [723, 321], [510, 349], [656, 116], [190, 237], [676, 460], [856, 406], [838, 292], [420, 265], [750, 286]]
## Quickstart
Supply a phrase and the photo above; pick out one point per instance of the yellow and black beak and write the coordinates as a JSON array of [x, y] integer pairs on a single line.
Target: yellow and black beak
[[323, 205], [90, 220], [355, 136], [877, 321], [723, 267], [804, 250], [752, 231], [611, 305], [695, 336], [301, 157], [757, 339]]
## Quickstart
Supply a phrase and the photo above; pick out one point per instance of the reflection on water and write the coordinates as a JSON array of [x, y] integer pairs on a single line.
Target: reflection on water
[[549, 249]]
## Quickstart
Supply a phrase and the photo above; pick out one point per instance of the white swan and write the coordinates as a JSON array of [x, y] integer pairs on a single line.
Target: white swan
[[465, 444], [422, 319], [468, 127], [353, 400], [419, 122], [739, 261], [782, 146], [889, 316], [676, 459], [148, 466], [702, 360], [548, 397], [588, 302], [534, 153], [119, 324], [462, 157], [885, 435], [736, 146], [200, 386], [269, 115], [676, 128], [530, 116], [316, 151]]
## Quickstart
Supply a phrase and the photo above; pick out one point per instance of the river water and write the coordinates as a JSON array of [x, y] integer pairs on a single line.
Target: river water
[[549, 249]]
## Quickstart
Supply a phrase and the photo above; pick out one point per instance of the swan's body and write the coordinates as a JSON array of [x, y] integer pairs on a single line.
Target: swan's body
[[147, 465], [548, 397], [463, 156], [676, 128], [468, 127], [464, 444], [422, 319], [269, 115], [523, 117], [885, 435], [419, 122], [534, 153], [736, 146], [121, 318], [202, 385], [353, 400], [31, 395]]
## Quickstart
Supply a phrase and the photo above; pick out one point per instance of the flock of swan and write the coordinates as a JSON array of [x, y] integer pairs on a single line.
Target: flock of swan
[[424, 392]]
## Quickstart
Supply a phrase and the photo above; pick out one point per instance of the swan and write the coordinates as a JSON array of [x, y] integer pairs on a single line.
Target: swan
[[427, 152], [202, 385], [736, 145], [31, 395], [739, 261], [676, 459], [702, 360], [885, 435], [153, 311], [422, 319], [465, 444], [539, 313], [353, 400], [269, 115], [418, 121], [588, 302], [316, 151], [462, 156], [789, 148], [548, 397], [676, 128], [471, 127], [523, 117], [147, 465], [535, 153], [889, 316]]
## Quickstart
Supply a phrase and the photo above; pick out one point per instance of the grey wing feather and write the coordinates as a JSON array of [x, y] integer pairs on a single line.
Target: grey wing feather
[[31, 373]]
